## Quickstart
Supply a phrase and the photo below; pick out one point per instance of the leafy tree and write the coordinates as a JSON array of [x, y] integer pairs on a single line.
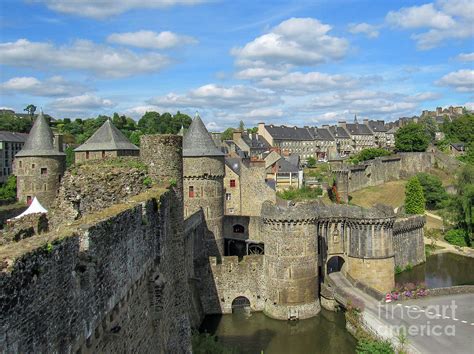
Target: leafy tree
[[460, 129], [135, 137], [430, 126], [31, 109], [468, 156], [411, 137], [414, 199], [253, 130], [69, 156], [8, 190], [433, 190], [311, 162], [148, 123], [241, 126], [227, 134]]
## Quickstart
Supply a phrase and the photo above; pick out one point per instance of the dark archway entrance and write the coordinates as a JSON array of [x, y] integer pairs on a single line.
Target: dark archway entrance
[[334, 264], [240, 303]]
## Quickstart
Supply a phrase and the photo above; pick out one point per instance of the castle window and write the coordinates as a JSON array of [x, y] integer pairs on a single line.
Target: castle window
[[32, 165], [44, 171], [20, 164], [232, 183], [228, 196], [44, 187], [103, 154], [238, 229], [87, 154], [28, 199], [191, 192]]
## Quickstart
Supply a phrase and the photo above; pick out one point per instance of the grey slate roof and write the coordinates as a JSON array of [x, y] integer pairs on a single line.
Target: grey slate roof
[[288, 133], [286, 166], [321, 134], [377, 126], [198, 142], [40, 140], [107, 138], [339, 132], [13, 137], [358, 129], [255, 141], [234, 164]]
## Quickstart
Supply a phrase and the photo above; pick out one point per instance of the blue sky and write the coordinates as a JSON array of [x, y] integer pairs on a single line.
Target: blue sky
[[298, 63]]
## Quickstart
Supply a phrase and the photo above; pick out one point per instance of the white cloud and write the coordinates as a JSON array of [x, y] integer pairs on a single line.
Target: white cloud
[[150, 39], [444, 20], [461, 80], [419, 16], [81, 55], [101, 9], [369, 30], [51, 87], [466, 57], [258, 73], [265, 113], [86, 102], [213, 96], [296, 41], [309, 82]]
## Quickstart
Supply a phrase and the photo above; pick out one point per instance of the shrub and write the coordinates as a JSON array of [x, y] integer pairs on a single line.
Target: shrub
[[147, 182], [433, 190], [414, 198], [204, 343], [8, 190], [398, 269], [300, 194], [373, 346], [457, 237]]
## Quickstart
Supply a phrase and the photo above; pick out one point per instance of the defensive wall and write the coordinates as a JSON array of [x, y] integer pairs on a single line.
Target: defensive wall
[[408, 241], [380, 170], [113, 281]]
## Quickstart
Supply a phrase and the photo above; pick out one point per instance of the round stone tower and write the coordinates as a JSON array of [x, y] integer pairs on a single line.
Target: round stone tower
[[203, 182], [291, 261], [40, 165]]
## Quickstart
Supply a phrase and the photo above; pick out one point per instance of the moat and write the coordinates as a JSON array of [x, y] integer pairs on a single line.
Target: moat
[[256, 333], [440, 270]]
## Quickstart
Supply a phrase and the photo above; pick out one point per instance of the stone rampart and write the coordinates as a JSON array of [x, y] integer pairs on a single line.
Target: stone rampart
[[233, 278], [380, 170], [114, 281], [408, 241]]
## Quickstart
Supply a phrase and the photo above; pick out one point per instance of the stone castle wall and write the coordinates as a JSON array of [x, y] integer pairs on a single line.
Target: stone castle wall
[[113, 282], [233, 278], [83, 156], [381, 170], [408, 241]]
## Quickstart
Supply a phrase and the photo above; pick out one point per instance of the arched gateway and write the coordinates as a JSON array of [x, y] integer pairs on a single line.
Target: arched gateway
[[334, 264]]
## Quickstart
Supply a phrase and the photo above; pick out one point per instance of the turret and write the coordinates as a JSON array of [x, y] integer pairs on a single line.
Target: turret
[[203, 182], [40, 165]]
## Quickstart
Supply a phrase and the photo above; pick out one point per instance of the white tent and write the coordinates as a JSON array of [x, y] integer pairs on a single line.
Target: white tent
[[34, 208]]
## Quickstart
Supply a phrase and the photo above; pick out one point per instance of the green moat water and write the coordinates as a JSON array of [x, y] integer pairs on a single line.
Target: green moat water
[[254, 333], [440, 270]]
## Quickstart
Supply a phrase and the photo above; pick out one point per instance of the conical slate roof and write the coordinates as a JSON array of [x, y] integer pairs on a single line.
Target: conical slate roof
[[40, 140], [107, 138], [198, 142]]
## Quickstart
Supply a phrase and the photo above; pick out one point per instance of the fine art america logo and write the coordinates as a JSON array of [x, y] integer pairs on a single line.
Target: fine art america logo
[[416, 321]]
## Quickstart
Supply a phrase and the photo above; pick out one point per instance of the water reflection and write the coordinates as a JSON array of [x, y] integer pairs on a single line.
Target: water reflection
[[441, 270], [253, 333]]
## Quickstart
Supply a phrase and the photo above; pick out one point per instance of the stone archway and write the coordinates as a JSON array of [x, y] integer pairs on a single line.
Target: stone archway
[[334, 264], [240, 303]]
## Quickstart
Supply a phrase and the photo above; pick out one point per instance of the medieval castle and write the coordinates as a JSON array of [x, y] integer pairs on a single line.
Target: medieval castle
[[126, 266]]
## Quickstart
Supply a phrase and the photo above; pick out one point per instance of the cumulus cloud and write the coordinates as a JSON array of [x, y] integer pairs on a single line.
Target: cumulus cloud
[[466, 57], [150, 39], [101, 9], [81, 55], [213, 96], [296, 41], [51, 87], [364, 28], [444, 20], [81, 103], [461, 80]]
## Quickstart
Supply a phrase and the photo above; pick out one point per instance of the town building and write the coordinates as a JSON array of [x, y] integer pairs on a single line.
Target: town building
[[40, 164], [252, 144], [362, 137], [106, 142], [10, 144]]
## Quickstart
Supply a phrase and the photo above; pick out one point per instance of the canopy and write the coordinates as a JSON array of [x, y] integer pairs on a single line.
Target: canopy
[[34, 208]]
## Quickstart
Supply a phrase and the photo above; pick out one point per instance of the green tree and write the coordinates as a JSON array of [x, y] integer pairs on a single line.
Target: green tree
[[11, 123], [411, 137], [433, 190], [460, 129], [414, 199], [430, 126], [369, 154], [241, 126], [149, 122], [227, 134], [8, 190], [311, 162], [31, 109], [69, 156]]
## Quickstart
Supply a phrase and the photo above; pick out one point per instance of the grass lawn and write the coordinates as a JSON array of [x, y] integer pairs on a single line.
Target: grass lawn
[[390, 193]]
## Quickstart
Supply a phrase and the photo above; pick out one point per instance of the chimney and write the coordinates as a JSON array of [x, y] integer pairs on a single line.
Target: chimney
[[325, 126], [237, 135], [58, 142], [366, 122], [261, 128], [342, 124]]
